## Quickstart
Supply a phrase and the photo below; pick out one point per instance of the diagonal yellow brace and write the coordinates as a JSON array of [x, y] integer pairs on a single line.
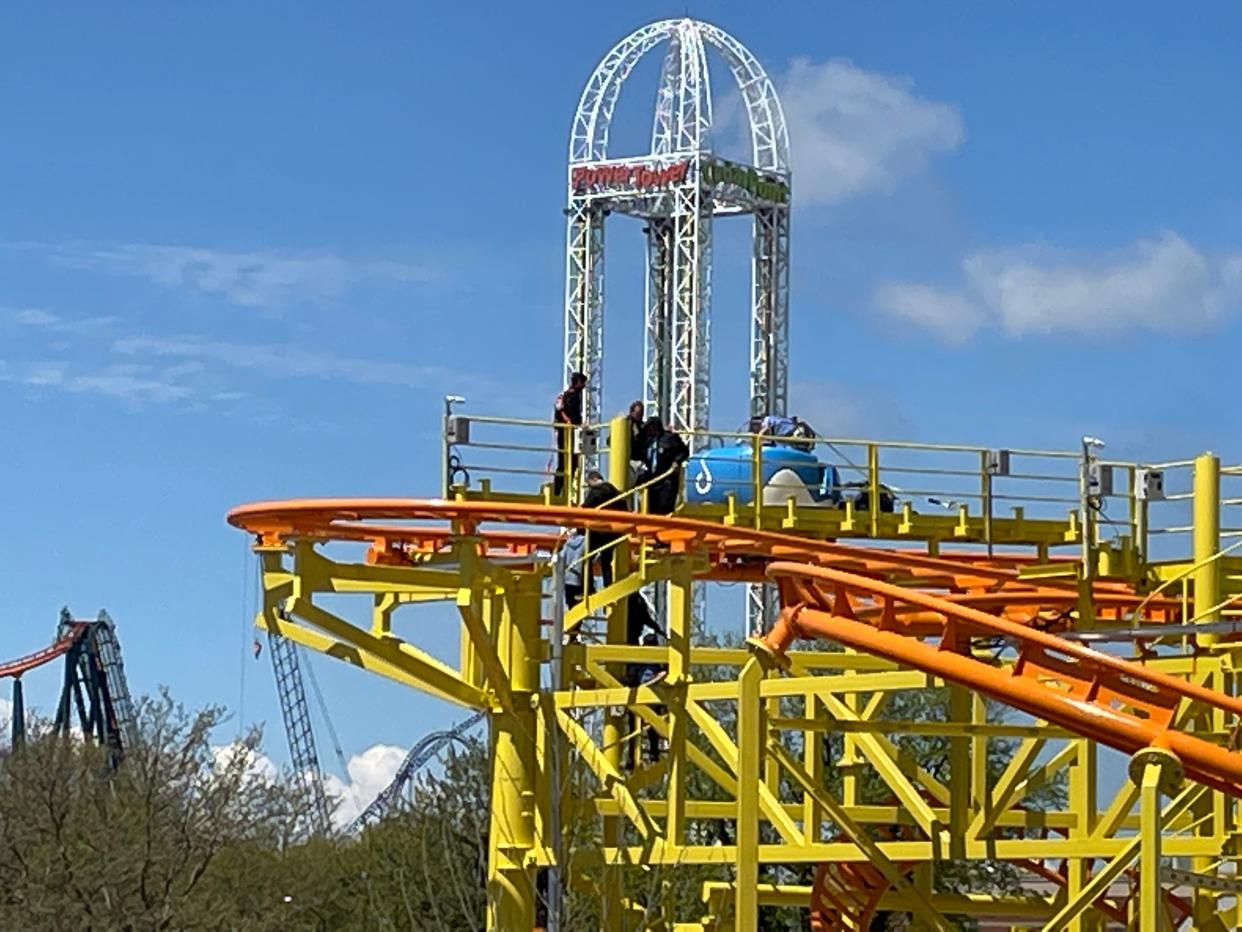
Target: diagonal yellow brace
[[769, 805], [1102, 879], [425, 671], [467, 607], [1006, 786], [621, 589], [697, 756], [933, 786], [1118, 809], [612, 782], [1018, 789], [399, 669], [882, 755], [918, 903]]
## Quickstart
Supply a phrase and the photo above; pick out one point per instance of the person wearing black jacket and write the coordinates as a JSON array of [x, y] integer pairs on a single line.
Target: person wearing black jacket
[[665, 453], [600, 493], [567, 416], [638, 438]]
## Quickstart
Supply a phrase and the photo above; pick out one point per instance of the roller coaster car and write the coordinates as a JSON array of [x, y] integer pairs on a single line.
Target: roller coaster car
[[788, 469]]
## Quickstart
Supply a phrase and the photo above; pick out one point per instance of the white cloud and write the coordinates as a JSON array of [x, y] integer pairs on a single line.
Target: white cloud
[[281, 360], [257, 763], [856, 132], [40, 319], [950, 315], [837, 410], [249, 279], [369, 772], [137, 385], [1162, 285], [124, 382]]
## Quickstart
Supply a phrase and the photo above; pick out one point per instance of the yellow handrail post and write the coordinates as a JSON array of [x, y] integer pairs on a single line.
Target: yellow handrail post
[[1207, 592], [873, 487], [1207, 600], [756, 478]]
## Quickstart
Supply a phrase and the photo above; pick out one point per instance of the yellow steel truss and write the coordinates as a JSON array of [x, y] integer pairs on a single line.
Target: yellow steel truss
[[755, 738]]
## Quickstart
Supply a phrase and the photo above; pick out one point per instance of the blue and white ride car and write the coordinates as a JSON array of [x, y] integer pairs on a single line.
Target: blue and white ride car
[[787, 470]]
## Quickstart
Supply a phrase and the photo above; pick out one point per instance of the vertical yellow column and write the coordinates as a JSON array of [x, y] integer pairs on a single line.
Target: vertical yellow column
[[510, 886], [613, 913], [851, 762], [680, 619], [1083, 802], [749, 754], [873, 488], [1151, 906], [979, 793], [960, 772], [1211, 812], [1207, 539], [1155, 771], [813, 761]]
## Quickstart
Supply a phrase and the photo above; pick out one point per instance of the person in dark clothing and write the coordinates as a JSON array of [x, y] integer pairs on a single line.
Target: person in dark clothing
[[567, 415], [643, 674], [637, 620], [600, 493], [638, 437], [665, 453], [649, 675]]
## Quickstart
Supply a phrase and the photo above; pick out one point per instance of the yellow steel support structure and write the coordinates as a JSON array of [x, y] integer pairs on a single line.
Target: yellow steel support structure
[[793, 758]]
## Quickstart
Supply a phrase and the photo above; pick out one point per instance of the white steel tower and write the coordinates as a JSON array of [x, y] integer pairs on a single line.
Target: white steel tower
[[677, 190]]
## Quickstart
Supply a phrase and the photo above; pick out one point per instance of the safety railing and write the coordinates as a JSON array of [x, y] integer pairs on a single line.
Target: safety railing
[[1070, 499], [510, 455], [1173, 514]]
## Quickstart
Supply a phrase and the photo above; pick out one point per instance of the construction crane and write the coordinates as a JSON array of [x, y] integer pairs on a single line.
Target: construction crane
[[426, 750], [296, 714]]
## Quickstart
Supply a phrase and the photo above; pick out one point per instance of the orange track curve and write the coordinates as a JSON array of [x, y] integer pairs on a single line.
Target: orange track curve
[[47, 654], [854, 595], [735, 553]]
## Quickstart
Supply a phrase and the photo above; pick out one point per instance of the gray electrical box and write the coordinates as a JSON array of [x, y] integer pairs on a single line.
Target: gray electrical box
[[1149, 485], [588, 442], [1099, 480], [457, 428], [997, 462]]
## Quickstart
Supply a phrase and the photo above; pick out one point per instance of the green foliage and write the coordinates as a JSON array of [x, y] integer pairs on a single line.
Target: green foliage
[[82, 847], [184, 836]]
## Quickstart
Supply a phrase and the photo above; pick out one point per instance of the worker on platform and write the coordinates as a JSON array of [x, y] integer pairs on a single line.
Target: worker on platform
[[639, 619], [573, 552], [567, 417], [600, 493], [636, 420], [666, 452]]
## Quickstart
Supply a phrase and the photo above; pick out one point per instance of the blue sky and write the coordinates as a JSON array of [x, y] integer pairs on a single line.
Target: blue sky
[[244, 250]]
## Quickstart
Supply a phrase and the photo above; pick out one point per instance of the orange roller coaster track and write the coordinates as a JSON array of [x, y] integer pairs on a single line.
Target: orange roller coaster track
[[943, 614]]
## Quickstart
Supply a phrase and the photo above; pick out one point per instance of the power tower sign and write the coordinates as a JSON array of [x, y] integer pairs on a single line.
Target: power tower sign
[[677, 190]]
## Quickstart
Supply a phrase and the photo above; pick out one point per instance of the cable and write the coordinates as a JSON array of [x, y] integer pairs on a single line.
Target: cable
[[327, 719], [241, 654]]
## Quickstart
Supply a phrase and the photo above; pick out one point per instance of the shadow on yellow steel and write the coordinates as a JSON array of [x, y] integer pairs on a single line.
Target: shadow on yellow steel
[[1093, 862]]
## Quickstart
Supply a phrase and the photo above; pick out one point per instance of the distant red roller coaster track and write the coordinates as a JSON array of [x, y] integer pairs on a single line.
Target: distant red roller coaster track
[[58, 648]]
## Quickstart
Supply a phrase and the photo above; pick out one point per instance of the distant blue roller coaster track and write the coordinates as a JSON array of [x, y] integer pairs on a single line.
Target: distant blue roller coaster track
[[425, 751]]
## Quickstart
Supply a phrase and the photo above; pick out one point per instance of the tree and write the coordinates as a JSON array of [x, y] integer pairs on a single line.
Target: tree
[[86, 846]]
